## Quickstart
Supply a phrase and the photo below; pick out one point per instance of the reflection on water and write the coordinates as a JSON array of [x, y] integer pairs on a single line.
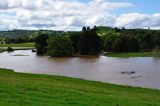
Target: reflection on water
[[105, 69]]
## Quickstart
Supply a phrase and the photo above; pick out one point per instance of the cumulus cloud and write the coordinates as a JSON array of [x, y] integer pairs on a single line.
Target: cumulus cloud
[[69, 15], [137, 20]]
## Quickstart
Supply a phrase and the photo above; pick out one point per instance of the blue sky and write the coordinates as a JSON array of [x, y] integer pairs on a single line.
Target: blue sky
[[73, 14], [141, 6], [144, 6]]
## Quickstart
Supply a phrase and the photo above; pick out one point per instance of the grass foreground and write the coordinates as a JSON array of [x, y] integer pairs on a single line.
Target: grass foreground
[[126, 55], [19, 89]]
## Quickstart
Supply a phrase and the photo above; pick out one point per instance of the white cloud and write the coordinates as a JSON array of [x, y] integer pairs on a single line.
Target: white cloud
[[69, 15], [137, 20]]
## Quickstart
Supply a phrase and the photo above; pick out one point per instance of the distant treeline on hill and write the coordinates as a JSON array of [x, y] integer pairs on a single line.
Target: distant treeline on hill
[[21, 36], [13, 34]]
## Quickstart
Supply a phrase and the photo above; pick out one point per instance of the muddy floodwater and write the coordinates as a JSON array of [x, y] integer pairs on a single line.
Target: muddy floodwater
[[139, 71]]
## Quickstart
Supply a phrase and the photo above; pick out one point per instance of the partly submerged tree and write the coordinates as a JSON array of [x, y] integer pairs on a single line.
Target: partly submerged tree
[[75, 38], [59, 46], [89, 42], [41, 43]]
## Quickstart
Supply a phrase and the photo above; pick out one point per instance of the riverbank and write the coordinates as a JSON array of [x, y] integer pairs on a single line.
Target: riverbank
[[17, 46], [35, 90], [2, 50], [126, 55]]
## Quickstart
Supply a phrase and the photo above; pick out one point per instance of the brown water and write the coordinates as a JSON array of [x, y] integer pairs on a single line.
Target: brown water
[[105, 69]]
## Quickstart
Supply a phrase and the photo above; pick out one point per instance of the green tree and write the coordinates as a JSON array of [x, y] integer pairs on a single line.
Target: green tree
[[119, 45], [59, 46], [8, 41], [149, 42], [89, 42], [32, 37], [75, 38], [109, 38], [95, 42], [41, 43], [156, 39], [132, 44]]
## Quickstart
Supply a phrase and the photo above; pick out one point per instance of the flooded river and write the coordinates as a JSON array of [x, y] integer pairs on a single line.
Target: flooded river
[[105, 69]]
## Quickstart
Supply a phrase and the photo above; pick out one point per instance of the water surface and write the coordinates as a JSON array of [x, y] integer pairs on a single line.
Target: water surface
[[105, 69]]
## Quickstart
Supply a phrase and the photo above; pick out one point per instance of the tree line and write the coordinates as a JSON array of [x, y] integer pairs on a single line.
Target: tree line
[[131, 40], [92, 41], [23, 36]]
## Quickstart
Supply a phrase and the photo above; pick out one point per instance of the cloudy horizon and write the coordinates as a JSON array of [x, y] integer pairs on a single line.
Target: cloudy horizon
[[73, 14]]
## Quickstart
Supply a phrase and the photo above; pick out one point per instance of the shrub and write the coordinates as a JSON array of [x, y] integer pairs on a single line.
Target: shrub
[[9, 49]]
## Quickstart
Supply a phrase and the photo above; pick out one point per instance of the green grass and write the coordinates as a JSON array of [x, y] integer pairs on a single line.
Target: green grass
[[17, 89], [18, 45], [126, 55]]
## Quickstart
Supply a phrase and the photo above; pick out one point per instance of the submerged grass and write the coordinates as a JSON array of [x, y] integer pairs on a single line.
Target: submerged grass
[[126, 55], [19, 89], [19, 55]]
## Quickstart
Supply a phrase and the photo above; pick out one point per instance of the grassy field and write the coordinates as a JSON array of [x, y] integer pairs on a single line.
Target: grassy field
[[17, 89], [18, 45], [126, 55]]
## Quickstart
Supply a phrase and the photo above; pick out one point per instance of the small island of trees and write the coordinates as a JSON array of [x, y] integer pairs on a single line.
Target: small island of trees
[[92, 41], [86, 42]]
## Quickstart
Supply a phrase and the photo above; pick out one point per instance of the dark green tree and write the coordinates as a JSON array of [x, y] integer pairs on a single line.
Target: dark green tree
[[132, 44], [119, 45], [75, 38], [147, 42], [41, 43], [8, 41], [59, 46], [89, 42], [157, 39]]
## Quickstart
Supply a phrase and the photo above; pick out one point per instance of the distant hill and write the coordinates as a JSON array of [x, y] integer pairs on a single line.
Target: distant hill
[[15, 33], [101, 30], [22, 33]]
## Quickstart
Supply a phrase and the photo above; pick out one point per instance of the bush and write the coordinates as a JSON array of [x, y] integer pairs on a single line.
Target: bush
[[9, 49], [59, 46]]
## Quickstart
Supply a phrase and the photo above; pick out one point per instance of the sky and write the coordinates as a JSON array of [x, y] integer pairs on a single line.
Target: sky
[[74, 14]]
